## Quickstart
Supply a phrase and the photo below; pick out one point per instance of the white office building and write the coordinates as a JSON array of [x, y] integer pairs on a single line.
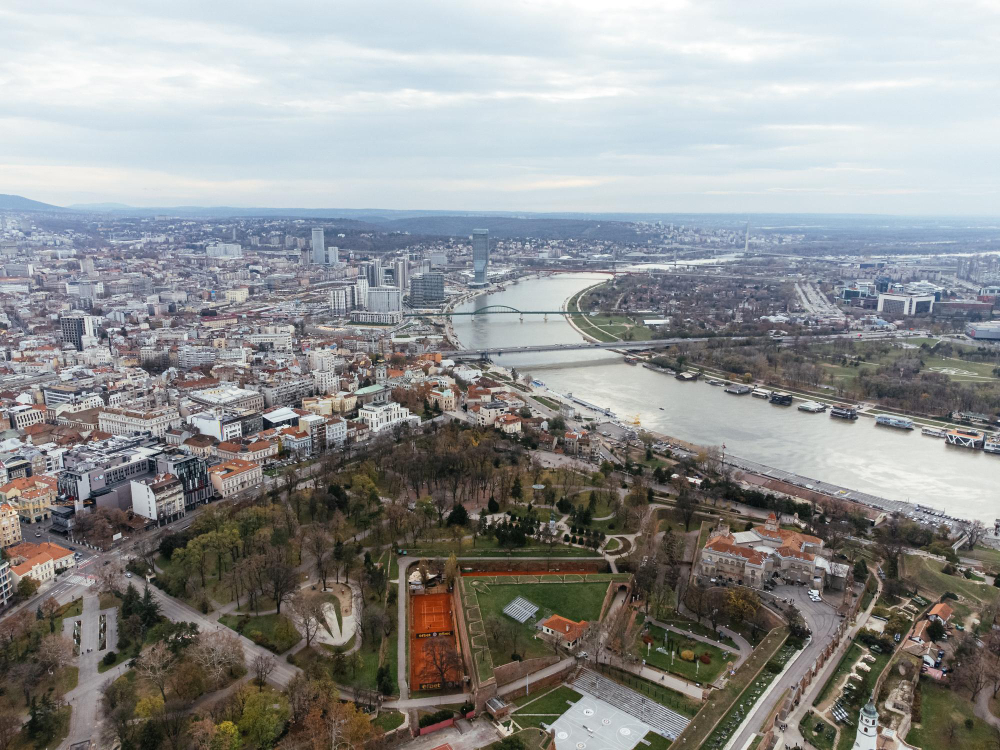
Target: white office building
[[224, 250], [381, 417]]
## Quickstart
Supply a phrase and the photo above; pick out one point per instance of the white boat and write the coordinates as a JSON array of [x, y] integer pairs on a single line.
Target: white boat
[[813, 407], [933, 432], [761, 393], [900, 423]]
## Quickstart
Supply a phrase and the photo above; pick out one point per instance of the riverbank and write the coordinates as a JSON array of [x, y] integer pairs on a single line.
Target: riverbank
[[893, 464]]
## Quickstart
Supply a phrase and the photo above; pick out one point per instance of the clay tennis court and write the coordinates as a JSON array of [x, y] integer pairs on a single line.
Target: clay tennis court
[[432, 618]]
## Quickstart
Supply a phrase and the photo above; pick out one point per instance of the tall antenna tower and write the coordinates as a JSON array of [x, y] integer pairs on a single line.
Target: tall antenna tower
[[746, 242]]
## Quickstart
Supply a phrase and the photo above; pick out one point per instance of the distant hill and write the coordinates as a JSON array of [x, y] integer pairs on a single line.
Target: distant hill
[[506, 227], [100, 207], [19, 203]]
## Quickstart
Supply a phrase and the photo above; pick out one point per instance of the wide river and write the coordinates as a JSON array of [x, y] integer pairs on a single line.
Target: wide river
[[894, 464]]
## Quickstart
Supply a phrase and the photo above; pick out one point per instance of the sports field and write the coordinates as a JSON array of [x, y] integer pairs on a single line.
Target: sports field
[[577, 596], [432, 620]]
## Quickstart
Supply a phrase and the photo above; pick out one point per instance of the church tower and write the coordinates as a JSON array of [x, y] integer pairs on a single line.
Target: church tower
[[867, 728]]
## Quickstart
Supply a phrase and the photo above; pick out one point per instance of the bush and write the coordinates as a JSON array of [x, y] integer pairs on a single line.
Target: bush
[[109, 658], [203, 606], [706, 658], [773, 667], [566, 539], [969, 723], [573, 539], [687, 655]]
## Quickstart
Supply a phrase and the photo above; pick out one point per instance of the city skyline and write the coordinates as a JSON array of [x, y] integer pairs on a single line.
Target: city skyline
[[708, 108]]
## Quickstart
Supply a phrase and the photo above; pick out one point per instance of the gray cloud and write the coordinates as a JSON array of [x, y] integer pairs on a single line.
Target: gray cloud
[[638, 105]]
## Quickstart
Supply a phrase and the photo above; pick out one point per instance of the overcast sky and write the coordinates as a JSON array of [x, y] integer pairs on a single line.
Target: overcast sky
[[624, 105]]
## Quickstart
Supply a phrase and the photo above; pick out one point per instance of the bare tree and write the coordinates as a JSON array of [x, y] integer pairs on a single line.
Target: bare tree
[[263, 664], [280, 579], [442, 662], [10, 725], [154, 666], [54, 652], [976, 531], [218, 652], [320, 546], [109, 577], [307, 612]]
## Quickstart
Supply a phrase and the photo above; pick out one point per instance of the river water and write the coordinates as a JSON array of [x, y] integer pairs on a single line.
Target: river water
[[895, 464]]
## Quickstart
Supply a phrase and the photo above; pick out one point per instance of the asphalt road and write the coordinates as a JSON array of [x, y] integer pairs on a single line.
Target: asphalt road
[[823, 621]]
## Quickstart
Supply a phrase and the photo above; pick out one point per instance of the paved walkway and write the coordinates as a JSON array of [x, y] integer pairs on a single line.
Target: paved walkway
[[85, 697], [696, 636]]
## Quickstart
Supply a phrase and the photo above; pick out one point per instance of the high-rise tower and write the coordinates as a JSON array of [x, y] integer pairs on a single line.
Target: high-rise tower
[[480, 255], [318, 246]]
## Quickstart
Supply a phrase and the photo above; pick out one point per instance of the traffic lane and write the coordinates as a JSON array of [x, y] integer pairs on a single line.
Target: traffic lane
[[823, 622]]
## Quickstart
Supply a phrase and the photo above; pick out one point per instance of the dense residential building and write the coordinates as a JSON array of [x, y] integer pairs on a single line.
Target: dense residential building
[[159, 498], [6, 584], [230, 397], [101, 472], [191, 471], [32, 496], [129, 421], [79, 329], [234, 476], [10, 525]]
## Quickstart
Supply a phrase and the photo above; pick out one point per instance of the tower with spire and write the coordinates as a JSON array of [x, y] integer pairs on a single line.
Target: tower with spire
[[867, 738]]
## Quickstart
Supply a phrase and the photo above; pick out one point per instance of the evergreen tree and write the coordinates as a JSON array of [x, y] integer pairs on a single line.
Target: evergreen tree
[[149, 609], [130, 602]]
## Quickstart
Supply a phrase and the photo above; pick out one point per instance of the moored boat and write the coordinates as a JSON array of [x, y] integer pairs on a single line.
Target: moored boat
[[933, 432], [813, 407], [841, 411], [900, 423]]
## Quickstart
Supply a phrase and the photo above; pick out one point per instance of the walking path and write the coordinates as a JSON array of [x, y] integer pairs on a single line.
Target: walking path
[[85, 697]]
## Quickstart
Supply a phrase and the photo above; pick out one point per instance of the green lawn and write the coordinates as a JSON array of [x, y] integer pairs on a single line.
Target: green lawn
[[266, 626], [612, 545], [824, 738], [695, 671], [983, 554], [553, 702], [926, 575], [942, 724], [388, 720], [532, 738], [848, 659], [551, 403], [576, 601], [656, 741], [680, 621]]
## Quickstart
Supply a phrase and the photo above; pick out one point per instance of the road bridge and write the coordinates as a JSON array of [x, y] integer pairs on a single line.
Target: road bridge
[[651, 344], [507, 310]]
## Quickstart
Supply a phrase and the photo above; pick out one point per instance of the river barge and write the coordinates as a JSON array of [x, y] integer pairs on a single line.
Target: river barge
[[781, 399], [840, 411], [813, 407], [933, 432], [900, 423], [738, 389]]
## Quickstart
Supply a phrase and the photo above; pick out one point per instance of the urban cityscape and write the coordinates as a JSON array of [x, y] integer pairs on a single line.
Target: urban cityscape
[[580, 439]]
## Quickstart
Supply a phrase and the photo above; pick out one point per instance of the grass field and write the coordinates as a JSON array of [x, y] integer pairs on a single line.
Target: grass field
[[576, 601], [824, 738], [694, 671], [553, 702], [848, 659], [926, 575], [272, 637], [680, 621], [388, 720], [942, 724], [656, 741], [985, 555]]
